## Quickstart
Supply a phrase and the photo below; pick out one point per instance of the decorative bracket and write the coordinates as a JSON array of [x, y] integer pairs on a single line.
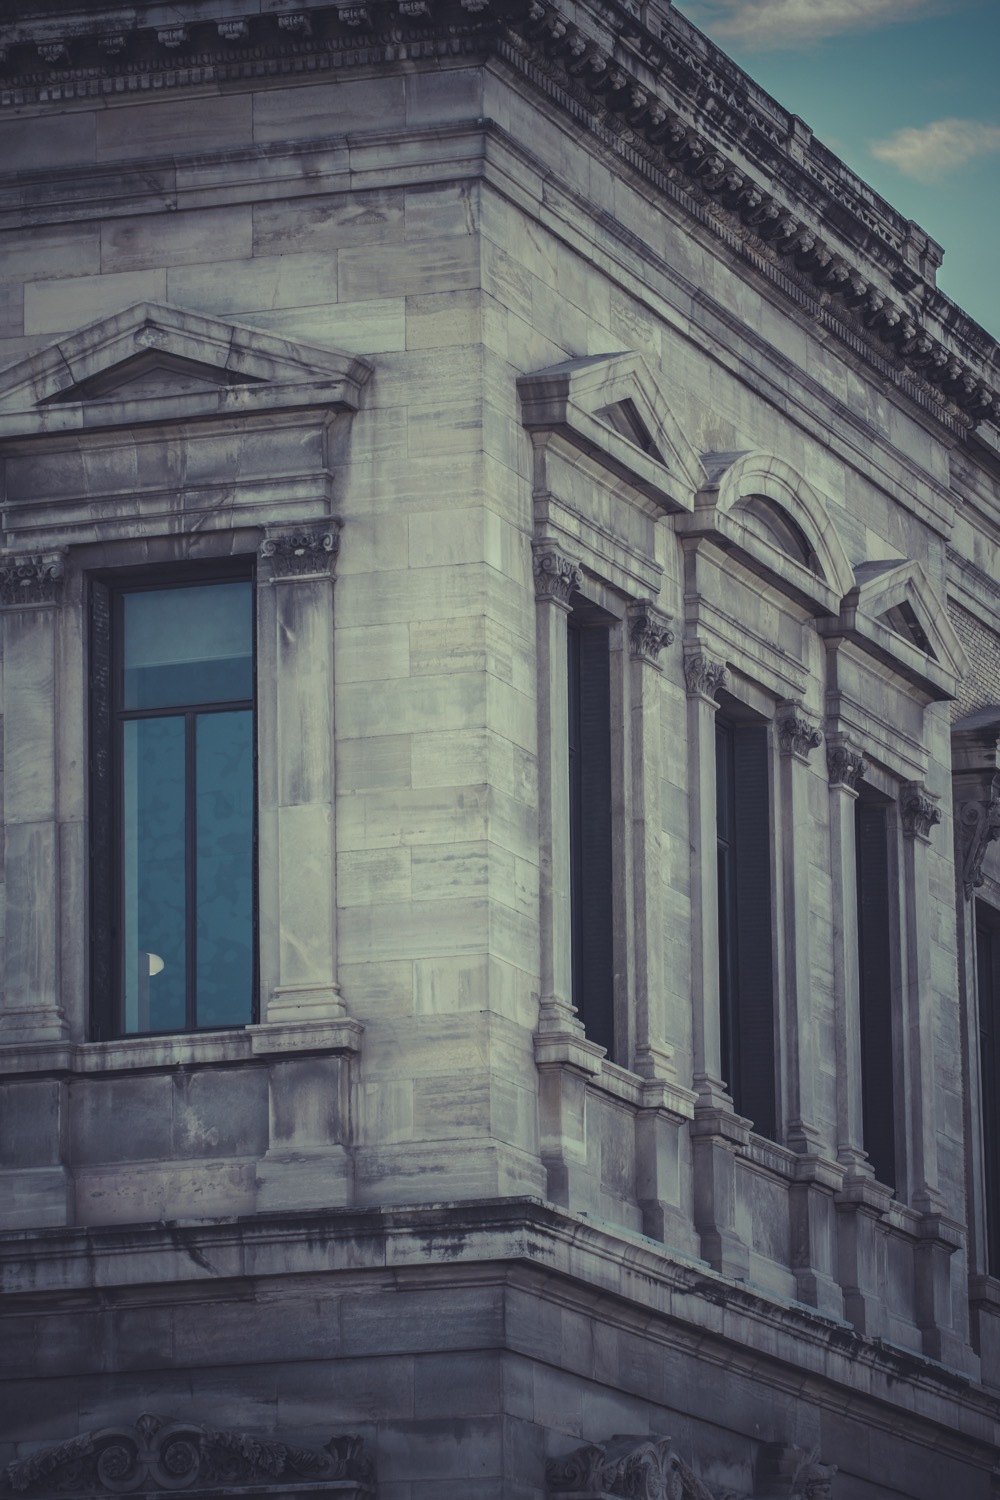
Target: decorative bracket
[[556, 576], [303, 553], [162, 1455], [31, 579], [919, 811], [648, 631], [977, 825]]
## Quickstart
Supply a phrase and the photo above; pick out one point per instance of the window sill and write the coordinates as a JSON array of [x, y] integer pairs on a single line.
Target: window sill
[[141, 1054]]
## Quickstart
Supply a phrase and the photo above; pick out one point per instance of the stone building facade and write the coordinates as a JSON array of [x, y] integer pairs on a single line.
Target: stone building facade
[[500, 701]]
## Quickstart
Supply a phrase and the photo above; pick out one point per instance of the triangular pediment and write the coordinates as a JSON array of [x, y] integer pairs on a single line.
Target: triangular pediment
[[895, 613], [152, 362], [614, 408]]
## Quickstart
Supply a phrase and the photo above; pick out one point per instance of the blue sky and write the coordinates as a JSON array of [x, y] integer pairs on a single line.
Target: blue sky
[[907, 92]]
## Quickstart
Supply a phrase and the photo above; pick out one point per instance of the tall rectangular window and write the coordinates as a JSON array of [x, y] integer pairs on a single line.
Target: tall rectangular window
[[590, 829], [875, 927], [746, 974], [988, 998], [173, 805]]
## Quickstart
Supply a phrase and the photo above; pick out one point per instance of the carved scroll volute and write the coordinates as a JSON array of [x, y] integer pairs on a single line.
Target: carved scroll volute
[[978, 826], [845, 764], [305, 553], [704, 676], [796, 735]]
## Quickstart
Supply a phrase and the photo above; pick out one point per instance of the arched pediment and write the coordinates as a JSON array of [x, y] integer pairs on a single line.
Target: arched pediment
[[741, 488], [153, 362], [893, 611]]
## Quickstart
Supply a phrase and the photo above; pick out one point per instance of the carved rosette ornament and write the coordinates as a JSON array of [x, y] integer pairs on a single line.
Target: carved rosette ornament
[[302, 552], [978, 826], [846, 766], [31, 580], [918, 811], [796, 736], [633, 1468], [162, 1454], [556, 576], [648, 631], [703, 675]]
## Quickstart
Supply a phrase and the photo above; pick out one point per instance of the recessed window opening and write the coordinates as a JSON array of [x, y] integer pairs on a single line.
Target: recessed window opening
[[875, 885], [782, 531], [746, 975], [173, 804], [591, 857], [988, 999]]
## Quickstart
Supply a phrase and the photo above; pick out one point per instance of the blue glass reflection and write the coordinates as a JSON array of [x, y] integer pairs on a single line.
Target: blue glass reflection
[[154, 949], [188, 645], [224, 780]]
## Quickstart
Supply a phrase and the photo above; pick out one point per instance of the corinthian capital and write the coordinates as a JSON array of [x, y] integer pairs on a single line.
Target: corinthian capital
[[846, 765], [556, 575], [297, 553], [703, 675], [648, 631], [796, 735], [34, 579]]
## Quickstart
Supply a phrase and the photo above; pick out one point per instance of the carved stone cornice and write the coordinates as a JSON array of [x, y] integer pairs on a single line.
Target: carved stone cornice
[[977, 825], [648, 631], [556, 575], [846, 765], [633, 1468], [704, 676], [299, 554], [918, 811], [796, 735], [163, 1455], [31, 579]]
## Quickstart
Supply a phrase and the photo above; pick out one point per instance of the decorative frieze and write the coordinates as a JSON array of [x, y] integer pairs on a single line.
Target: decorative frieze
[[172, 36], [918, 810], [633, 1468], [703, 675], [55, 53], [796, 735], [297, 21], [233, 31], [302, 552], [846, 765], [162, 1454], [556, 576], [977, 822], [648, 631], [35, 579]]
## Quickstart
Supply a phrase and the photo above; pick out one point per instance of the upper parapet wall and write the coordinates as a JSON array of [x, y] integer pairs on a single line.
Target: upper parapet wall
[[641, 79]]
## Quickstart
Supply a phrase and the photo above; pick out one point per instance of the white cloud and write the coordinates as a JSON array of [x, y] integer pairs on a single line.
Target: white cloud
[[760, 24], [927, 152]]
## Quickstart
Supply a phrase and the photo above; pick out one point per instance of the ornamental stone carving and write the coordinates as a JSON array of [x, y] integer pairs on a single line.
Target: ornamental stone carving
[[918, 811], [633, 1468], [31, 580], [792, 1474], [302, 552], [703, 675], [978, 826], [648, 631], [556, 576], [796, 736], [162, 1454], [846, 766], [233, 31]]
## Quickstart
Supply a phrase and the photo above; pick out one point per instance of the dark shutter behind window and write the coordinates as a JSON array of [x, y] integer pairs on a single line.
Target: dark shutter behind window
[[590, 830], [875, 966], [102, 853], [988, 995]]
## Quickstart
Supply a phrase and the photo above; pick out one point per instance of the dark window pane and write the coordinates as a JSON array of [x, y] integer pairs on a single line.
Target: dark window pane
[[154, 948], [224, 879], [188, 645], [878, 1101]]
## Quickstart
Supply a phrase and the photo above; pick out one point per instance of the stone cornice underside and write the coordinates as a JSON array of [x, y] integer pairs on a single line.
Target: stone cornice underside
[[606, 89]]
